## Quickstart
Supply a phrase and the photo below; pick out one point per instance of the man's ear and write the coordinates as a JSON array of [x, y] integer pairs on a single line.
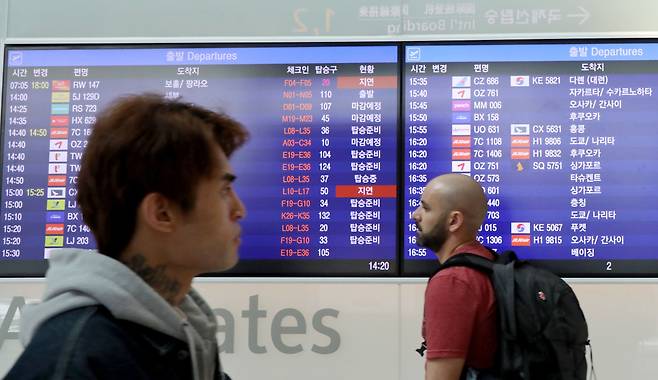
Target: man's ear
[[156, 212], [455, 220]]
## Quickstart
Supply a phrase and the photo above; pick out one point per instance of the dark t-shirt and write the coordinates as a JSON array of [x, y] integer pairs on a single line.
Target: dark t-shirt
[[460, 314]]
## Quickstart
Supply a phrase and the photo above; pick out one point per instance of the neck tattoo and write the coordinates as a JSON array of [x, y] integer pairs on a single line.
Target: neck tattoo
[[156, 277]]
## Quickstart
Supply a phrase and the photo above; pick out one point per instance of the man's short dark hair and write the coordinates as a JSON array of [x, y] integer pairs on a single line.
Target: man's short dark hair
[[147, 144]]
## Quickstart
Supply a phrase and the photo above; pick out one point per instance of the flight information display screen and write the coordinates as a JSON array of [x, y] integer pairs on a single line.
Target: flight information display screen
[[562, 137], [318, 176]]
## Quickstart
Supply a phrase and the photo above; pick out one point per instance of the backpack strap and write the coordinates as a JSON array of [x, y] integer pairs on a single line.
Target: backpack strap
[[505, 288], [469, 260]]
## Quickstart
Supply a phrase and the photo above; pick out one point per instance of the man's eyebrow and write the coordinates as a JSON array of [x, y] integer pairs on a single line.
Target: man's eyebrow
[[229, 177]]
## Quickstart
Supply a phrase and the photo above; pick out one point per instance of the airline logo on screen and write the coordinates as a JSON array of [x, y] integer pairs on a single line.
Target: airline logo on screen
[[55, 216], [520, 227], [461, 105], [461, 141], [461, 81], [520, 154], [461, 129], [519, 129], [461, 93], [520, 81], [461, 166], [520, 142], [520, 234], [520, 240]]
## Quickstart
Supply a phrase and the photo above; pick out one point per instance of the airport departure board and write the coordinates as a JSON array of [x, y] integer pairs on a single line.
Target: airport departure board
[[562, 137], [344, 137], [318, 176]]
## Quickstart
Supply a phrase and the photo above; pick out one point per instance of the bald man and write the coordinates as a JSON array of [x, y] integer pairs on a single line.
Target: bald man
[[459, 321]]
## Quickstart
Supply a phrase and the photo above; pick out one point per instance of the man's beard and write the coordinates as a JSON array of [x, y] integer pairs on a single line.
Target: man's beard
[[433, 239]]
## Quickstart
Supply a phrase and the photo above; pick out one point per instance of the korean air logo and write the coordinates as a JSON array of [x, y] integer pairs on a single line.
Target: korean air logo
[[520, 227], [520, 81]]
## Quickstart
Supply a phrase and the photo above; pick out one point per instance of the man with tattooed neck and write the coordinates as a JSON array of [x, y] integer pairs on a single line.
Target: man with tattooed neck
[[155, 188]]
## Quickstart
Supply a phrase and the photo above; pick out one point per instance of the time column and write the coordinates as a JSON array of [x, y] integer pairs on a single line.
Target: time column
[[15, 154], [417, 115]]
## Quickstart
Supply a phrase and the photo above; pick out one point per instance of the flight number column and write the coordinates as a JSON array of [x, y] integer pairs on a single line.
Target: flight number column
[[479, 93], [85, 97], [535, 151]]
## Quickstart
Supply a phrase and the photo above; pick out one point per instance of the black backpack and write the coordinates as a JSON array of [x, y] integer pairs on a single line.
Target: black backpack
[[542, 329]]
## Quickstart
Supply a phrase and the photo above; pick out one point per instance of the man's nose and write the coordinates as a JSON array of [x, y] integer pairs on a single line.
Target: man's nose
[[239, 210]]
